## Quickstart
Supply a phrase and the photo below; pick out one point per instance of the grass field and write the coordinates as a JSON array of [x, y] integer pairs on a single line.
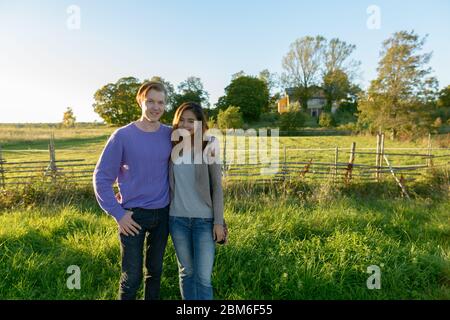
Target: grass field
[[280, 248], [24, 143], [286, 242]]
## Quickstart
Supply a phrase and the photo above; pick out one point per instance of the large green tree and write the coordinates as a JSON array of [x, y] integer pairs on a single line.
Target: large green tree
[[337, 57], [270, 79], [336, 87], [116, 103], [191, 90], [238, 74], [339, 70], [69, 118], [272, 82], [401, 98], [302, 66], [315, 61], [249, 94], [444, 97], [443, 105]]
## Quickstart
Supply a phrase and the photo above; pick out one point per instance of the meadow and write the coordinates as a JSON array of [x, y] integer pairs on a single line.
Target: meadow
[[25, 142], [292, 240]]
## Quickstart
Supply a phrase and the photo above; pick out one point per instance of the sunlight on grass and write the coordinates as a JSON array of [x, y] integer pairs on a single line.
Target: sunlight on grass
[[276, 251]]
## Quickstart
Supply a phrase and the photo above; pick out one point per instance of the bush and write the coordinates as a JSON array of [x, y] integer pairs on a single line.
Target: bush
[[437, 123], [249, 93], [342, 116], [355, 128], [46, 194], [212, 123], [270, 117], [230, 118], [326, 120], [290, 121], [294, 107]]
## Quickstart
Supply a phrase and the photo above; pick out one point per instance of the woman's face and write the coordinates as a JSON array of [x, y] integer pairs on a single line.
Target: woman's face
[[187, 120]]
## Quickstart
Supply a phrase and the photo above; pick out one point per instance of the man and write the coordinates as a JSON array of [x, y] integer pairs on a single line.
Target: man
[[137, 156]]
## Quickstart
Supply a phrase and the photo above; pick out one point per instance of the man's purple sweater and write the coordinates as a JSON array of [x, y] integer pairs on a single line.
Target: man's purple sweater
[[139, 161]]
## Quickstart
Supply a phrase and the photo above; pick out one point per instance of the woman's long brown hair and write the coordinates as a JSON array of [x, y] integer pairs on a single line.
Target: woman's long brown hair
[[197, 110]]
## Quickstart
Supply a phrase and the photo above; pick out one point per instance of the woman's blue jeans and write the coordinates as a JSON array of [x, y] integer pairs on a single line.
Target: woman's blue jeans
[[195, 248]]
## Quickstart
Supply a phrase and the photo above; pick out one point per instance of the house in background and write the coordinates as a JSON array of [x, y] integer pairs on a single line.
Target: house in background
[[316, 103]]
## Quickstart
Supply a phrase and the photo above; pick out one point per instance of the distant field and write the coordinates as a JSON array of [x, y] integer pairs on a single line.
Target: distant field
[[30, 143], [87, 143]]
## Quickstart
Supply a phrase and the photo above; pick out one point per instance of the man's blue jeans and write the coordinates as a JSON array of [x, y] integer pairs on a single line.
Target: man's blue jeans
[[195, 248], [154, 232]]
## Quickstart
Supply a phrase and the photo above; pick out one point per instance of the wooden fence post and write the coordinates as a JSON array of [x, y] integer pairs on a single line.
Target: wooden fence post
[[377, 160], [224, 167], [52, 166], [429, 161], [382, 155], [336, 156], [2, 172], [396, 179], [285, 164], [350, 162], [306, 168]]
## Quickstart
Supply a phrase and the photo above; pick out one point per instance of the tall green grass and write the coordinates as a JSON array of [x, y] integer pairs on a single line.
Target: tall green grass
[[287, 241]]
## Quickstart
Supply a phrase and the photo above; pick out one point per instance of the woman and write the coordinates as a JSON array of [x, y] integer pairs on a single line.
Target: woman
[[196, 209]]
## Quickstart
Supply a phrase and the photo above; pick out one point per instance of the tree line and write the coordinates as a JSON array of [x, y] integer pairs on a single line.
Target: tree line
[[404, 98]]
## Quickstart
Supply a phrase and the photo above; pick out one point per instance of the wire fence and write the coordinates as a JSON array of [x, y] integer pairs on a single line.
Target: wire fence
[[341, 165]]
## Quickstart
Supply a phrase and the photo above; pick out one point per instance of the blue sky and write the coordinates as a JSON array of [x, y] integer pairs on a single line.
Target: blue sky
[[46, 67]]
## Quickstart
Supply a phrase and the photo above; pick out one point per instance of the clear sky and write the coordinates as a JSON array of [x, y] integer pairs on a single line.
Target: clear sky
[[45, 66]]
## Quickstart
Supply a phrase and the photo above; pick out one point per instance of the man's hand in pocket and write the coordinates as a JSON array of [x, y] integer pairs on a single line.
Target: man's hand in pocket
[[127, 226]]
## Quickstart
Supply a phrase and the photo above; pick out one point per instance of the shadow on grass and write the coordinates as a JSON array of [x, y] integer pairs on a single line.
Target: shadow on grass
[[34, 266]]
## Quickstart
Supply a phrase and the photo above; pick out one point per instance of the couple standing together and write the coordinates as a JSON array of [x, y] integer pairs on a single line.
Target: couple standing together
[[162, 192]]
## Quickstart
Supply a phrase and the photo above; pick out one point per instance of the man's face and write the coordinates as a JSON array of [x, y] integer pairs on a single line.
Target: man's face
[[153, 105]]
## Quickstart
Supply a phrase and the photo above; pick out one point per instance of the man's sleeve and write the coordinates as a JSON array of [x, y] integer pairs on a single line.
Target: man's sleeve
[[106, 173]]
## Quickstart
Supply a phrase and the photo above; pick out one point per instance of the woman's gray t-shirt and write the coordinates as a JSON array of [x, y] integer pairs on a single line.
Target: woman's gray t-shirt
[[187, 201]]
